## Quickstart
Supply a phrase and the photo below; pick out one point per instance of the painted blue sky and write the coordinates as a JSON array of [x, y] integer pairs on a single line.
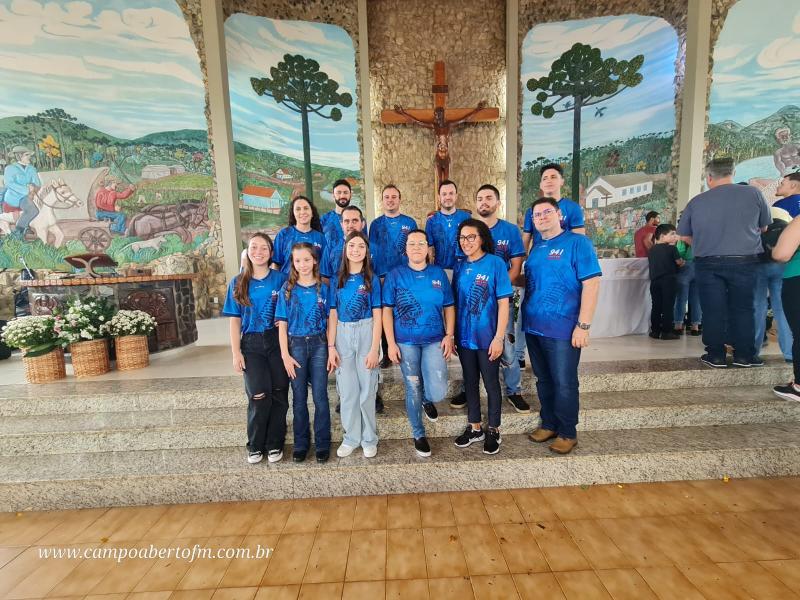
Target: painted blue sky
[[756, 61], [127, 68], [647, 108], [254, 44]]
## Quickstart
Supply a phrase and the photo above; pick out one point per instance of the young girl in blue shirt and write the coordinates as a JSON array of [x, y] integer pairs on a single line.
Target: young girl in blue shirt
[[250, 304], [354, 338], [302, 317]]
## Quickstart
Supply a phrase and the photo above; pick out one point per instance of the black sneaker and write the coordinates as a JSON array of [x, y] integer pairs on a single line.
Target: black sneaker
[[713, 361], [469, 436], [519, 404], [338, 407], [655, 335], [669, 335], [430, 411], [788, 392], [493, 440], [746, 363], [459, 401], [323, 456], [521, 363], [378, 403], [299, 456], [422, 447]]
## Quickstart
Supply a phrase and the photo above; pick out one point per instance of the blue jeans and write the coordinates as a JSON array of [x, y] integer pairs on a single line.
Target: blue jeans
[[727, 295], [519, 333], [117, 219], [356, 384], [312, 354], [424, 373], [555, 364], [28, 214], [687, 291], [512, 375], [769, 278]]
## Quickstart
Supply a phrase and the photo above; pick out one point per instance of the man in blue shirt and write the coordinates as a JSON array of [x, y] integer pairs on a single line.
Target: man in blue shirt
[[352, 219], [789, 190], [562, 283], [552, 179], [331, 221], [21, 181], [442, 227], [387, 244]]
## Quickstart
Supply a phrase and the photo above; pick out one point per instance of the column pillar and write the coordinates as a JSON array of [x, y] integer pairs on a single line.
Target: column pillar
[[695, 96], [222, 132], [365, 106], [512, 109]]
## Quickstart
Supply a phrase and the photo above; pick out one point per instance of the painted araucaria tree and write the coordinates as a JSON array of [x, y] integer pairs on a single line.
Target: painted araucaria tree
[[297, 83], [578, 78]]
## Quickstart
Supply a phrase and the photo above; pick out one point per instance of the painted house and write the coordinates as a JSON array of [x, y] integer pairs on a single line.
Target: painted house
[[610, 189], [159, 171], [263, 199], [283, 175]]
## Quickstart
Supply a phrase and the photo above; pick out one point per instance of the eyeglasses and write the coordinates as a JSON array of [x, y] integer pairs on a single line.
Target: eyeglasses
[[544, 213], [468, 238], [416, 244]]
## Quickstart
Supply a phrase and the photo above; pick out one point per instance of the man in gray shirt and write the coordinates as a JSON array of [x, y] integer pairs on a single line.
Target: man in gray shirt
[[725, 225]]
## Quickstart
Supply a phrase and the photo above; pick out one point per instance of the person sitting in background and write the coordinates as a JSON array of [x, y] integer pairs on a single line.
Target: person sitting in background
[[664, 262], [105, 202], [643, 238], [789, 191]]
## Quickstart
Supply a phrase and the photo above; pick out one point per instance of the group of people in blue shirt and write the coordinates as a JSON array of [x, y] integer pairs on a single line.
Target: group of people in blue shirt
[[326, 297]]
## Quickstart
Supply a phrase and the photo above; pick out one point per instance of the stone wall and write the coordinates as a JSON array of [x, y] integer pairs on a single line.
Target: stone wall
[[405, 38]]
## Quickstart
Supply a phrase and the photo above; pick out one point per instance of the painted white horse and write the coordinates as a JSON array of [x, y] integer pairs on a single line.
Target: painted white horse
[[50, 197]]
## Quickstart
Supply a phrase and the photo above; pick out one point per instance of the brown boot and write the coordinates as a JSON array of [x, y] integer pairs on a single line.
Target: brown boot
[[541, 435], [563, 445]]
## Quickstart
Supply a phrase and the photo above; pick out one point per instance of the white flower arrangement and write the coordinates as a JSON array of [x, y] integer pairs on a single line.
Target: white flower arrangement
[[37, 335], [131, 322], [84, 320]]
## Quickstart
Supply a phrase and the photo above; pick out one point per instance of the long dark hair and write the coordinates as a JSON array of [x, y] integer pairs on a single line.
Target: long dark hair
[[241, 291], [315, 224], [366, 266], [487, 243], [294, 275]]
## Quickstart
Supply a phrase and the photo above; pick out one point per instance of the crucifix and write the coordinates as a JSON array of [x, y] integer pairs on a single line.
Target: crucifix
[[440, 119]]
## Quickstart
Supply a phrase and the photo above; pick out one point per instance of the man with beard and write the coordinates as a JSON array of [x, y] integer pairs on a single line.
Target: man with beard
[[332, 221], [352, 219], [442, 228]]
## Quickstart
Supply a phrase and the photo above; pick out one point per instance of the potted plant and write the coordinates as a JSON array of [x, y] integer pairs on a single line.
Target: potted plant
[[83, 323], [41, 345], [130, 329]]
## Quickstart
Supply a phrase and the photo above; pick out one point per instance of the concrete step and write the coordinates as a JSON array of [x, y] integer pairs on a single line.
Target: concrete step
[[193, 393], [222, 474], [226, 426]]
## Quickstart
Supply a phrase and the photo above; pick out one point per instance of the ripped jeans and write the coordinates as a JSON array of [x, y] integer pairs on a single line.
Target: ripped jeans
[[424, 372]]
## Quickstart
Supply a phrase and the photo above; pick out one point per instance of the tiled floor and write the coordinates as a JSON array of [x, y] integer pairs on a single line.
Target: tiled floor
[[733, 539]]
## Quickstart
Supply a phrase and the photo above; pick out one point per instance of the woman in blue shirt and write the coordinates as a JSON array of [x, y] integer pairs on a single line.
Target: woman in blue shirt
[[250, 304], [304, 226], [302, 317], [418, 319], [354, 341], [482, 288]]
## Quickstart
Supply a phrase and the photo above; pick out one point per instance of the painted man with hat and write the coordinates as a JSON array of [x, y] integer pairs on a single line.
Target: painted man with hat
[[22, 182]]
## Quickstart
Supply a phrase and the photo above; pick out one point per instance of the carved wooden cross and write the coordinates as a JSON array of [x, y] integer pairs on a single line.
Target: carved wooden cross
[[440, 119]]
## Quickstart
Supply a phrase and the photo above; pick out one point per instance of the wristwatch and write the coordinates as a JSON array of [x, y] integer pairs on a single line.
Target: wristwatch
[[584, 326]]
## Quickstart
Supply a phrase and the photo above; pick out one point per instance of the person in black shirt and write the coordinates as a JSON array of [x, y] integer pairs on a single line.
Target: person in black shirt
[[664, 263]]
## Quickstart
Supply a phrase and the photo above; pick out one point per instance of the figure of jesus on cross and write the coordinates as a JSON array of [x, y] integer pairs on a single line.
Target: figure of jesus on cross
[[440, 119]]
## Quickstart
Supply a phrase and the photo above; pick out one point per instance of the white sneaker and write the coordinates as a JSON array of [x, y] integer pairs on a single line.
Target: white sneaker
[[255, 457], [274, 456], [370, 451], [344, 450]]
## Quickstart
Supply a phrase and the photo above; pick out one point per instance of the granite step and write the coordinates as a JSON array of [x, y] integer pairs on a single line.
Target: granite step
[[222, 474], [191, 393], [225, 426]]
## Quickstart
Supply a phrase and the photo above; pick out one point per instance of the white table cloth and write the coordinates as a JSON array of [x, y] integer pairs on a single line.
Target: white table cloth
[[624, 304]]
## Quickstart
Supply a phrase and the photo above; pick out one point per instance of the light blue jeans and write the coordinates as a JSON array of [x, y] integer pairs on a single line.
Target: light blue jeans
[[356, 384], [424, 373], [769, 277], [519, 334], [512, 375], [687, 292]]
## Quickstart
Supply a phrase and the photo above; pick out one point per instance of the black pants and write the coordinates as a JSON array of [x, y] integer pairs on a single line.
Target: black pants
[[265, 375], [790, 294], [475, 364], [663, 291]]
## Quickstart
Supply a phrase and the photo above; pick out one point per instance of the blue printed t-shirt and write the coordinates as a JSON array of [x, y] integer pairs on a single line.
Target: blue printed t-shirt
[[442, 232], [263, 294], [477, 286], [353, 302], [417, 299], [554, 275], [571, 218], [331, 258], [288, 237], [790, 204], [306, 310], [507, 242], [387, 242], [332, 226]]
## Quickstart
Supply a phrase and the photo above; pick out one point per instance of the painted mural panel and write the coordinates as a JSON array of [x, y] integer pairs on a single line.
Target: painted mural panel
[[103, 142], [755, 94], [292, 88], [604, 86]]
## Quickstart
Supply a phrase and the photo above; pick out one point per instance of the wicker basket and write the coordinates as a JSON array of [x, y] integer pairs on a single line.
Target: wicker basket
[[44, 368], [132, 352], [90, 358]]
